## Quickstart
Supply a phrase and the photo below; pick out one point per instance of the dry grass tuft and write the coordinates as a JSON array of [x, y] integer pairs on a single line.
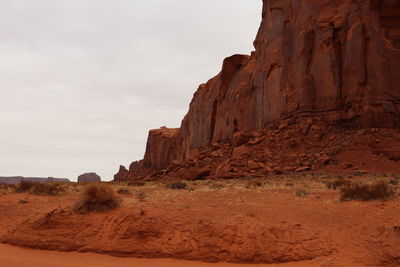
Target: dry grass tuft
[[141, 196], [44, 189], [338, 183], [98, 198], [177, 185], [217, 186], [124, 191], [301, 193], [7, 188], [379, 189], [136, 183], [253, 184]]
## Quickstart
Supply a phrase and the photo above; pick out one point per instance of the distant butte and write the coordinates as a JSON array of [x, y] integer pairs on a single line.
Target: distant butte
[[320, 92], [18, 179], [90, 177]]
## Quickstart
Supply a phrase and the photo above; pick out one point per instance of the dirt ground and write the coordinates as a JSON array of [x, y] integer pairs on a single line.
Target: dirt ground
[[12, 256], [293, 220]]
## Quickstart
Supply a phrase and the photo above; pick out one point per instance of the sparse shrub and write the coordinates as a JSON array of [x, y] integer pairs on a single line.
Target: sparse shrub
[[338, 183], [49, 189], [289, 184], [137, 183], [379, 189], [216, 186], [177, 185], [124, 191], [25, 186], [301, 193], [22, 201], [6, 188], [253, 184], [141, 196], [97, 197]]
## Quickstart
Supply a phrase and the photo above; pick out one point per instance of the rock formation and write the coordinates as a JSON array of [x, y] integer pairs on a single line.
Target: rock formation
[[317, 65], [18, 179], [90, 177]]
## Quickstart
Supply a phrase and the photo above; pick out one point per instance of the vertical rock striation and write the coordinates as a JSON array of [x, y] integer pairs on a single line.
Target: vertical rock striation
[[335, 60]]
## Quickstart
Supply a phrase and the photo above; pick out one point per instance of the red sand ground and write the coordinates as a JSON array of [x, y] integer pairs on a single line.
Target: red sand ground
[[20, 257], [214, 221]]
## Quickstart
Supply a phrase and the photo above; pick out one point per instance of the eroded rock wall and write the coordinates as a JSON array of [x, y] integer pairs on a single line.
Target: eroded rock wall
[[335, 60]]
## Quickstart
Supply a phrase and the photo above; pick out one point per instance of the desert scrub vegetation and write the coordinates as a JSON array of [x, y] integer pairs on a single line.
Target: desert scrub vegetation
[[375, 190], [96, 198], [217, 186], [136, 183], [44, 189], [337, 183], [124, 191], [141, 196], [7, 188], [253, 184], [301, 193], [177, 185]]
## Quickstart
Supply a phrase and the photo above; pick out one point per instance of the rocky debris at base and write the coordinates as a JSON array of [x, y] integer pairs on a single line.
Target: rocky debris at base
[[338, 151]]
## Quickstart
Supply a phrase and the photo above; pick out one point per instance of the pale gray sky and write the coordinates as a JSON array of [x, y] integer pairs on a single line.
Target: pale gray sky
[[82, 81]]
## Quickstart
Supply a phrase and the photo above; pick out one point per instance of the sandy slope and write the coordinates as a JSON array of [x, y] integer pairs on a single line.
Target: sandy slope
[[11, 256]]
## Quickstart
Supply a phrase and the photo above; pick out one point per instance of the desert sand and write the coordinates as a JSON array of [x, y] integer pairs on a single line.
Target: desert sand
[[283, 219], [11, 256]]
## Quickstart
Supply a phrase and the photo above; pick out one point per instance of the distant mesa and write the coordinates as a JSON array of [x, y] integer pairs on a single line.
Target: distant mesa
[[18, 179], [90, 177]]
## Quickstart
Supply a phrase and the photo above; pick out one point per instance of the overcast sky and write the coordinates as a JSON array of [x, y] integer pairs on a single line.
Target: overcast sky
[[82, 81]]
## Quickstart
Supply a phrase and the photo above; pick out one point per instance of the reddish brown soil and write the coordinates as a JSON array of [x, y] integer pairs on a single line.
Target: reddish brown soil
[[21, 257], [216, 221]]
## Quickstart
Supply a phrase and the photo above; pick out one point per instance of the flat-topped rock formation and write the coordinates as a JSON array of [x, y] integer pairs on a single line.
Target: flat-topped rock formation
[[90, 177], [318, 65], [18, 179]]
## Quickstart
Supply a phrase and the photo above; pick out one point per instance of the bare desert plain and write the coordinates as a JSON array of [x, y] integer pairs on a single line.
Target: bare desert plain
[[291, 219]]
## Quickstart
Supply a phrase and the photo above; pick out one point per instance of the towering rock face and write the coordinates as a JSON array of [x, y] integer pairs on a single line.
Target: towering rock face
[[332, 60]]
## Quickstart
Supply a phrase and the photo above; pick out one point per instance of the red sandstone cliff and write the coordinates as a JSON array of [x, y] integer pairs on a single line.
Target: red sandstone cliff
[[317, 62]]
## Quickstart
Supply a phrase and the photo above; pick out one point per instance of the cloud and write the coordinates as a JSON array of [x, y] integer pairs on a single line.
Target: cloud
[[82, 81]]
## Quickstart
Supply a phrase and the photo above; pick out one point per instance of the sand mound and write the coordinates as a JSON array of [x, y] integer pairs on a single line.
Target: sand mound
[[142, 234]]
